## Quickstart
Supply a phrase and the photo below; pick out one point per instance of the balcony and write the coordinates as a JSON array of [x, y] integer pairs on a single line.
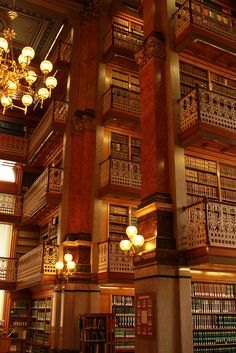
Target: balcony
[[8, 273], [208, 119], [120, 178], [120, 45], [121, 107], [205, 32], [13, 148], [10, 208], [210, 235], [48, 134], [114, 265], [43, 196], [37, 266]]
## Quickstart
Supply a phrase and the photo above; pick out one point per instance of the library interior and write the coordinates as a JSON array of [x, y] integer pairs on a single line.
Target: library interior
[[117, 176]]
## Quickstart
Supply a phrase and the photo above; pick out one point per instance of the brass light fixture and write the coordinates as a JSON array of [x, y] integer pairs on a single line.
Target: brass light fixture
[[17, 79], [132, 245], [67, 268]]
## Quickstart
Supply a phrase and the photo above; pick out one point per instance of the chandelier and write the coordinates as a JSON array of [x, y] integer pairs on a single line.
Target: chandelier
[[133, 245], [67, 268], [17, 79]]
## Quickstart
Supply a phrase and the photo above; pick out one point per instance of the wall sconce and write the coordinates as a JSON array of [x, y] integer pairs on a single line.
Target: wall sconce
[[132, 245], [66, 268]]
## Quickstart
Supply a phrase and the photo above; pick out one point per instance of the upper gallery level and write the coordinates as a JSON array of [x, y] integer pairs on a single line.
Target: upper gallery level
[[207, 107], [122, 40], [207, 30]]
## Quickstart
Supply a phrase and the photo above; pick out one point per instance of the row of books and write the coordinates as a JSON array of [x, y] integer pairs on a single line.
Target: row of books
[[126, 300], [215, 290], [125, 321], [214, 337], [193, 70], [95, 322], [201, 164], [36, 349], [201, 177], [213, 305], [124, 332], [214, 321], [220, 349], [202, 190]]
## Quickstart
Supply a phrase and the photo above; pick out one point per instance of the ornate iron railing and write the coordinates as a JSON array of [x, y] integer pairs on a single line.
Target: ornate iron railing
[[121, 99], [113, 259], [14, 145], [201, 15], [55, 114], [122, 38], [39, 261], [202, 105], [10, 204], [120, 172], [210, 223], [8, 269], [36, 197]]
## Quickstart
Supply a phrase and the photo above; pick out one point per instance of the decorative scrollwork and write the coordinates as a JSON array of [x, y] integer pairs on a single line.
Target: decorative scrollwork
[[83, 121], [90, 11], [153, 48]]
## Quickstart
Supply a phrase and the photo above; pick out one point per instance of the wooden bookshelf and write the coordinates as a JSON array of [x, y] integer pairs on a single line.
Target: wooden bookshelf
[[125, 147], [119, 218], [214, 317], [124, 310], [18, 324], [38, 338], [209, 178], [97, 333]]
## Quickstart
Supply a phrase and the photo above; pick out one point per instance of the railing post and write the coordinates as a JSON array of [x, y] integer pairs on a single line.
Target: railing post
[[205, 201]]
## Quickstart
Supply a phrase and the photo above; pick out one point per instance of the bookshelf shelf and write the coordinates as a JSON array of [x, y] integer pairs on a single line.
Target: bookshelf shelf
[[214, 316]]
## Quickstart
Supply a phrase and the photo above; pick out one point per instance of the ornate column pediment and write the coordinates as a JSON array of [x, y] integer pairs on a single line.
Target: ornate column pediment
[[90, 11], [154, 47], [83, 120]]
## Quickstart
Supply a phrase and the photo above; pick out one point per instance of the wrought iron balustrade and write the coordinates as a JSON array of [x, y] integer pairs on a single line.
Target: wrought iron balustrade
[[122, 100], [120, 172], [210, 223], [124, 39], [37, 263], [54, 117], [202, 105], [50, 181], [199, 14], [8, 269], [10, 204], [113, 259]]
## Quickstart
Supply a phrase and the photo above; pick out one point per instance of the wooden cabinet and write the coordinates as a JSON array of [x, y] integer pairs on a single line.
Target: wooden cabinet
[[97, 333], [209, 178], [124, 310], [18, 323], [38, 338], [214, 317]]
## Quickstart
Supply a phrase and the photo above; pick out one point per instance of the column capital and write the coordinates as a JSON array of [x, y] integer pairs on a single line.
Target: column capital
[[90, 11], [154, 47], [83, 120]]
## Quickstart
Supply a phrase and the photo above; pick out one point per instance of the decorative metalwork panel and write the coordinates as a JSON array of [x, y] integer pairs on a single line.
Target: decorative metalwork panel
[[10, 204], [50, 256], [113, 259], [120, 172], [188, 110], [14, 145], [196, 231], [205, 17], [122, 100], [8, 269]]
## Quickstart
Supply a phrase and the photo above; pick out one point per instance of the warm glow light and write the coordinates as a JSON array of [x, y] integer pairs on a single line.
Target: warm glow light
[[138, 240], [6, 101], [43, 93], [68, 257], [131, 231], [3, 44], [59, 265], [28, 52], [7, 173], [51, 82], [46, 66], [125, 245], [70, 265], [27, 100], [31, 77]]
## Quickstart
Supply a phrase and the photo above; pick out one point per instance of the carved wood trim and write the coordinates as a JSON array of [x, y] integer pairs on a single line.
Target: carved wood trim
[[154, 47]]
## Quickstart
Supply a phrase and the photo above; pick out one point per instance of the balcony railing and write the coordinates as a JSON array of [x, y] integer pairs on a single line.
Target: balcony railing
[[50, 181], [10, 204], [113, 259], [53, 121], [8, 269], [35, 264], [120, 172], [210, 223], [209, 107], [13, 147], [207, 18], [123, 39], [122, 100]]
